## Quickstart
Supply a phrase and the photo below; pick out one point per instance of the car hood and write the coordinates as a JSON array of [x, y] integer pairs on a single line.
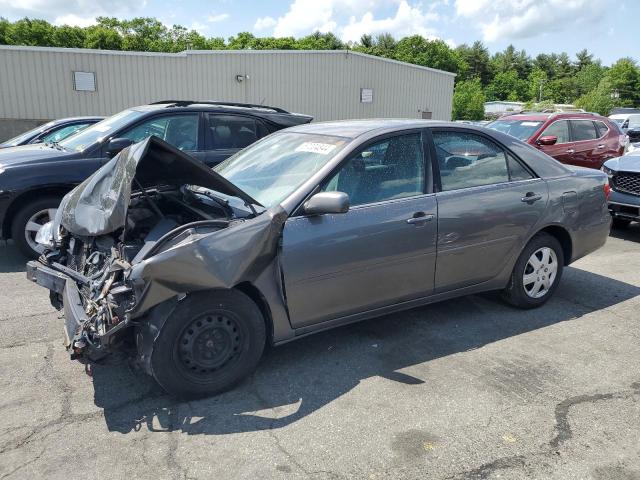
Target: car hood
[[99, 204], [15, 156], [627, 163]]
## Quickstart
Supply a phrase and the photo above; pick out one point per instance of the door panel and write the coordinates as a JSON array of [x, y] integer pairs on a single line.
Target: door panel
[[371, 256], [487, 207], [481, 229], [585, 143], [564, 149]]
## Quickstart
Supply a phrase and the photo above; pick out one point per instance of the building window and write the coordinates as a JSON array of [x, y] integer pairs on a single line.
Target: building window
[[84, 81]]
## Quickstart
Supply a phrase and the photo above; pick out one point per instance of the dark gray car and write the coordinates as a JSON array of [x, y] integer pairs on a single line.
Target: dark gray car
[[194, 271]]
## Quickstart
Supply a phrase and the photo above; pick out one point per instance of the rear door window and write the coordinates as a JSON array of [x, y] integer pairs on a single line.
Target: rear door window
[[558, 129], [602, 128], [233, 131], [583, 130], [181, 131], [469, 160]]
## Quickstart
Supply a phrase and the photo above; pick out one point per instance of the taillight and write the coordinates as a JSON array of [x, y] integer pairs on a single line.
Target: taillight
[[607, 190]]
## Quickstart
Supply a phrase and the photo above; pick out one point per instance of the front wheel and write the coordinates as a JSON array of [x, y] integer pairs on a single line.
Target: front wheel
[[536, 274], [28, 221], [211, 341]]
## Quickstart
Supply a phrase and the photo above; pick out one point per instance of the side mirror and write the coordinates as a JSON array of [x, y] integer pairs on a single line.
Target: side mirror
[[116, 145], [547, 140], [326, 202]]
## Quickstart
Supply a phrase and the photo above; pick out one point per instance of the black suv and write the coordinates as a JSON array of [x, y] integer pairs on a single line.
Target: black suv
[[34, 178]]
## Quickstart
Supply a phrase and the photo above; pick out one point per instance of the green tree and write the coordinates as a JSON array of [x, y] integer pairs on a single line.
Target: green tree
[[102, 38], [588, 78], [320, 41], [477, 60], [4, 31], [583, 59], [507, 86], [537, 80], [215, 43], [69, 37], [468, 100], [625, 82], [31, 32], [598, 100], [428, 53]]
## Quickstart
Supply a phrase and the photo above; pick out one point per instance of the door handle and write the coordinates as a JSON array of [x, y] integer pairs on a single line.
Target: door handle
[[571, 150], [531, 197], [419, 218], [600, 146]]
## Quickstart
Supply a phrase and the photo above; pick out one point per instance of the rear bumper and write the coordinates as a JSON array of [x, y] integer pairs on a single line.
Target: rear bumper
[[74, 314], [624, 206]]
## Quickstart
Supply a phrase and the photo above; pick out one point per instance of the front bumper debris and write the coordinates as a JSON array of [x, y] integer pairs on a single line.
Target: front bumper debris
[[74, 314]]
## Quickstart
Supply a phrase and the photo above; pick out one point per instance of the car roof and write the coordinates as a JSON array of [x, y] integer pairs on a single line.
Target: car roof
[[78, 119], [543, 116], [274, 114], [356, 128]]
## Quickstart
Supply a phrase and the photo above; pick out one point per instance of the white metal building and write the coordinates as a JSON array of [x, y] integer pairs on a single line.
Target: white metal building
[[38, 83]]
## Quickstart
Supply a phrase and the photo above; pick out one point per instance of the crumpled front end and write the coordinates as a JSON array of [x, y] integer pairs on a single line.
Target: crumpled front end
[[113, 260]]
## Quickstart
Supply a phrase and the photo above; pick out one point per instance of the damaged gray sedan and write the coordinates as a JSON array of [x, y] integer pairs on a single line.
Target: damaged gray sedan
[[194, 271]]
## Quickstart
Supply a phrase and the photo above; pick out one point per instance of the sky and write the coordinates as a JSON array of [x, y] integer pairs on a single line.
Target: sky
[[607, 28]]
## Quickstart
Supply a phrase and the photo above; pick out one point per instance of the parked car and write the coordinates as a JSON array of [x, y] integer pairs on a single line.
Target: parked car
[[54, 131], [316, 226], [626, 121], [582, 139], [624, 178], [34, 178]]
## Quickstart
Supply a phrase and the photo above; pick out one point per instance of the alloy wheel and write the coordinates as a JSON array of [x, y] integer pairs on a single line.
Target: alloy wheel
[[33, 226]]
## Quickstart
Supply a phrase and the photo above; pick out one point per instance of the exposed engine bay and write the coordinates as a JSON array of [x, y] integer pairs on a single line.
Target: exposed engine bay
[[145, 229], [156, 221]]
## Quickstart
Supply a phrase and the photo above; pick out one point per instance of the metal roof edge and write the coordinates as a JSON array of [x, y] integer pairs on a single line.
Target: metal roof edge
[[220, 52]]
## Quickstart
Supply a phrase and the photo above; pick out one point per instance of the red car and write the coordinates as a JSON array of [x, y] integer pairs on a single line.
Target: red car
[[582, 139]]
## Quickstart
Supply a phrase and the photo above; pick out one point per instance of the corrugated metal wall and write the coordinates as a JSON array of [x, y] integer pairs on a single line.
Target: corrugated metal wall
[[38, 82]]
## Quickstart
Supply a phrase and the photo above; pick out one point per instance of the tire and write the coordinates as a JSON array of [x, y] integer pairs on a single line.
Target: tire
[[211, 341], [523, 294], [620, 223], [36, 211]]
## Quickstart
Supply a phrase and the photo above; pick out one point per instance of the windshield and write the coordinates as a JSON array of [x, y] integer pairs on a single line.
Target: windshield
[[619, 121], [80, 141], [271, 169], [23, 137], [521, 129]]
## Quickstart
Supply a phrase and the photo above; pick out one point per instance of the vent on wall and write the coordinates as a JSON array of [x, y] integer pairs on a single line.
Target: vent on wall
[[84, 81]]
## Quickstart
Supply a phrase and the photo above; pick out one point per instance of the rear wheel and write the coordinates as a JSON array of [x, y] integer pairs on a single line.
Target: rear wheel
[[210, 342], [620, 223], [536, 274], [28, 220]]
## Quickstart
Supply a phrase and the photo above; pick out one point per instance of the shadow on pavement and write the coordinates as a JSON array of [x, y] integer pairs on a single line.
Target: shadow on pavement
[[297, 379], [11, 260], [632, 232]]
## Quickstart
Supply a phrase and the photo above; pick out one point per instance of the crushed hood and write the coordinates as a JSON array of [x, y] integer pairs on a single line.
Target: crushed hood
[[98, 205]]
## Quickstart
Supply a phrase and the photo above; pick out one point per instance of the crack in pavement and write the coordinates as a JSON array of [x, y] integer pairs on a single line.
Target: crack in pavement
[[562, 427], [271, 432]]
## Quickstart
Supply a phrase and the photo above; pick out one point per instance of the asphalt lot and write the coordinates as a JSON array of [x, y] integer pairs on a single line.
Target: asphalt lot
[[468, 388]]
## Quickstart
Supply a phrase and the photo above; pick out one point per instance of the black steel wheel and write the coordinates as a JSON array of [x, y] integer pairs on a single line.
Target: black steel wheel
[[210, 342]]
